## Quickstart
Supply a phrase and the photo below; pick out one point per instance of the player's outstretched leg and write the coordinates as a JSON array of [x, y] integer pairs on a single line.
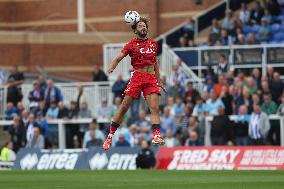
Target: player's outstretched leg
[[153, 104], [117, 119]]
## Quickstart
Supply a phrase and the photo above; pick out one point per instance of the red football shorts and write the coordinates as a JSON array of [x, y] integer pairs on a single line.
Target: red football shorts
[[142, 82]]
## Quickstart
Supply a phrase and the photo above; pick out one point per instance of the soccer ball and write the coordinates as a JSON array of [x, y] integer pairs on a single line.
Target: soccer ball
[[131, 17]]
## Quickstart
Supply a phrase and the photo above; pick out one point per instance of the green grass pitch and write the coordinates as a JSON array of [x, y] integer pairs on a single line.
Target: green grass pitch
[[144, 179]]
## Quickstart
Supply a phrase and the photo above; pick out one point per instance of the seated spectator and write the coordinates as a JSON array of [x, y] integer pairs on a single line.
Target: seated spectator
[[280, 110], [133, 135], [228, 22], [51, 94], [199, 108], [225, 39], [143, 126], [53, 111], [176, 90], [270, 71], [257, 77], [244, 99], [35, 96], [118, 87], [258, 127], [122, 142], [181, 122], [213, 103], [256, 13], [251, 86], [251, 39], [214, 31], [182, 41], [177, 75], [268, 106], [193, 139], [17, 133], [187, 31], [241, 127], [220, 128], [146, 157], [168, 121], [265, 87], [94, 142], [240, 39], [62, 111], [25, 117], [20, 108], [264, 31], [37, 140], [104, 111], [98, 74], [170, 140], [276, 86], [191, 92], [98, 135], [11, 111], [7, 153], [219, 86], [209, 83], [178, 107], [244, 14], [223, 66], [267, 16]]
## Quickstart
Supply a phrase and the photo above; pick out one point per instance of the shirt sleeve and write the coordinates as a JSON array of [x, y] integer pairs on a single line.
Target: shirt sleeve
[[126, 49]]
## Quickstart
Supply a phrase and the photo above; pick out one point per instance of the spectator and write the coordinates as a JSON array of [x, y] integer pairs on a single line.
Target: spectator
[[170, 140], [25, 117], [17, 133], [264, 31], [228, 22], [187, 31], [52, 94], [230, 78], [181, 122], [122, 142], [251, 86], [133, 135], [104, 111], [37, 140], [44, 128], [3, 78], [62, 111], [81, 97], [84, 113], [20, 108], [176, 90], [200, 108], [178, 107], [98, 135], [244, 99], [35, 96], [11, 111], [72, 130], [182, 41], [244, 14], [193, 139], [220, 128], [270, 71], [118, 87], [218, 87], [257, 77], [213, 104], [227, 100], [223, 66], [267, 16], [280, 110], [15, 80], [93, 142], [98, 74], [177, 75], [256, 14], [259, 126], [168, 122], [7, 154], [146, 157], [42, 82], [272, 6], [240, 39], [252, 39], [191, 93], [265, 87], [214, 31], [29, 128], [117, 104], [276, 86], [209, 83], [268, 106], [241, 126], [143, 126], [225, 39], [53, 111]]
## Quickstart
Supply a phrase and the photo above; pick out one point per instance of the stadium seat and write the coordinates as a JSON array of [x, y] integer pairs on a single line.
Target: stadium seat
[[255, 28], [275, 28], [279, 36], [282, 27], [247, 29]]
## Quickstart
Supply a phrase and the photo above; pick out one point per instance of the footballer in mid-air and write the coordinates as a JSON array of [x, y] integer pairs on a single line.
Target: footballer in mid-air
[[145, 77]]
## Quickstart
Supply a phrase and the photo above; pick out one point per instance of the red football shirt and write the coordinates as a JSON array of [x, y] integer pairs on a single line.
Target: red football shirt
[[141, 52]]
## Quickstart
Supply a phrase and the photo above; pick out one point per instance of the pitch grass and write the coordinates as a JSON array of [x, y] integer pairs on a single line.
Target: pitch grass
[[141, 179]]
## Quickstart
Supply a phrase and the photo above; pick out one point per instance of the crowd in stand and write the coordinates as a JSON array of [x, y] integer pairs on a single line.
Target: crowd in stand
[[261, 24], [251, 96]]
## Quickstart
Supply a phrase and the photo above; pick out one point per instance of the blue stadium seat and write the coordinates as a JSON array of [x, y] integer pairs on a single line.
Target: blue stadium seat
[[255, 28], [279, 36], [282, 27], [275, 28], [280, 17], [247, 29], [282, 11]]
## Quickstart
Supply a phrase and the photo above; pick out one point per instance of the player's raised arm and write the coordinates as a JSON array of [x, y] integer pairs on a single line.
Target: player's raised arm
[[115, 62]]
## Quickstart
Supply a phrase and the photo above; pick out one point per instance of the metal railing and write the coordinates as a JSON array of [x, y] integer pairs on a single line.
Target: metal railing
[[94, 92], [238, 56]]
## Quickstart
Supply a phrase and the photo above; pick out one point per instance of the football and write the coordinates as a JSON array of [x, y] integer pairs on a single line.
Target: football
[[131, 17]]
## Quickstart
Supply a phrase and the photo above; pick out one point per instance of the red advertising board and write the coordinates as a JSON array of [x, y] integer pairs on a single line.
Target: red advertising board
[[220, 158]]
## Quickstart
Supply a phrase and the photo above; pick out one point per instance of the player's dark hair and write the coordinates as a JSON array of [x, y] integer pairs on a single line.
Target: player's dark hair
[[142, 19]]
